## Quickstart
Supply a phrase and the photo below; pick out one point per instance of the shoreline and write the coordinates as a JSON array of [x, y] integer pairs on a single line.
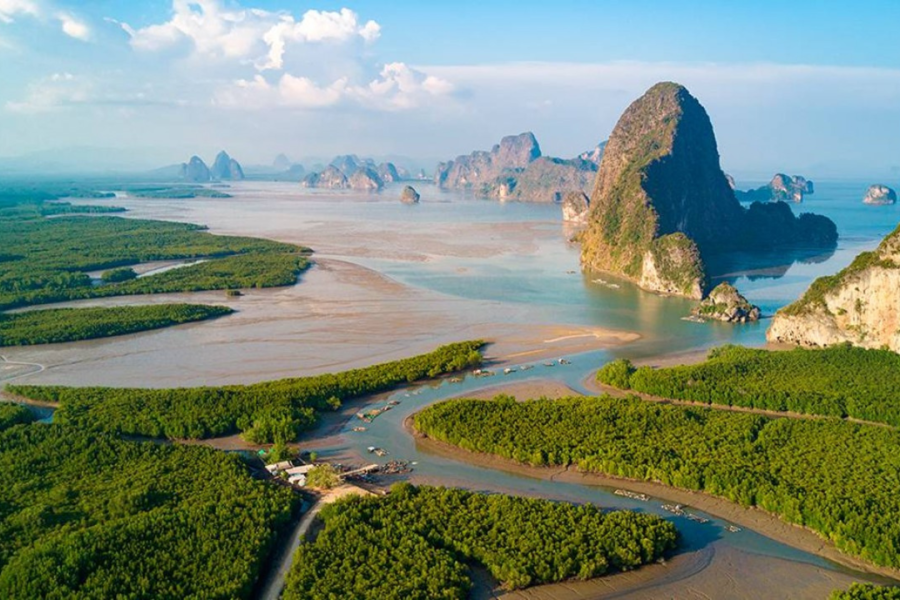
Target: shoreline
[[756, 519]]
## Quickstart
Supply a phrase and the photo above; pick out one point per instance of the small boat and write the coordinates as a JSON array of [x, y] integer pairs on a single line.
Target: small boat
[[508, 370]]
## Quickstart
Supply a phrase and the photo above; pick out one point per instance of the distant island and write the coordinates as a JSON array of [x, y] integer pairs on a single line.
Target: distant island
[[515, 169], [224, 168], [879, 194], [350, 172], [784, 188], [661, 204]]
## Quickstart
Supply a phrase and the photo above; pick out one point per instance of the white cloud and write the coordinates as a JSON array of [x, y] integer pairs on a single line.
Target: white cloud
[[11, 8], [72, 27], [249, 34], [397, 87], [57, 91]]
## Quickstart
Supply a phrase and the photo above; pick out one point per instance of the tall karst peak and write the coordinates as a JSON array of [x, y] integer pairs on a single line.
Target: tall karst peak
[[661, 201]]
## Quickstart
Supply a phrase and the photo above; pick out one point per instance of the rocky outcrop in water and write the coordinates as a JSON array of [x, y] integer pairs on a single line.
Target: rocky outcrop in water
[[365, 179], [661, 201], [860, 305], [409, 195], [784, 188], [388, 172], [330, 178], [480, 168], [725, 303], [195, 170], [880, 194], [226, 168], [575, 207]]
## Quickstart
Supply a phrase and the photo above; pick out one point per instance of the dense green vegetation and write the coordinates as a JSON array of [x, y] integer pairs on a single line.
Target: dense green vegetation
[[13, 414], [179, 192], [84, 515], [865, 591], [47, 260], [841, 381], [272, 411], [118, 275], [838, 478], [415, 543], [70, 324]]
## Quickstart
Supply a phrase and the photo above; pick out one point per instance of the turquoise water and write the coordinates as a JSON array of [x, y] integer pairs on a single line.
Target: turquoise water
[[544, 279]]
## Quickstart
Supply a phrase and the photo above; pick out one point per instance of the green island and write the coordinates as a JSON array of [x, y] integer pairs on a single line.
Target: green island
[[57, 325], [849, 498], [267, 412], [418, 542], [48, 260], [839, 381], [865, 591], [86, 515]]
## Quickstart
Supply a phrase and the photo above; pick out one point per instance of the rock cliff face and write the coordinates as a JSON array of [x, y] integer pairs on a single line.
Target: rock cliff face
[[515, 170], [409, 195], [784, 188], [661, 201], [725, 303], [226, 168], [480, 168], [366, 180], [331, 178], [595, 155], [575, 207], [880, 194], [388, 172], [195, 170], [859, 305], [543, 180]]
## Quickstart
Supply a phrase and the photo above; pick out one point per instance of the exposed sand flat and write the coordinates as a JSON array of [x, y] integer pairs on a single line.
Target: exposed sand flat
[[341, 316]]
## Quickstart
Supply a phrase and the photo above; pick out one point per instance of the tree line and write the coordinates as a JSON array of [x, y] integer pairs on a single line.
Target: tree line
[[838, 478], [840, 381], [416, 543], [56, 325], [267, 412]]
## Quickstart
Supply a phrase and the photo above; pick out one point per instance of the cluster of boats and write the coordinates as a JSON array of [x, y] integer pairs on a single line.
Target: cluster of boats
[[369, 415]]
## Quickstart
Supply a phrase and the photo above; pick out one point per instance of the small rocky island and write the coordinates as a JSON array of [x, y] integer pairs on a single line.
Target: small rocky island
[[409, 195], [725, 303], [782, 188], [879, 194], [224, 168], [859, 305], [350, 172], [661, 201]]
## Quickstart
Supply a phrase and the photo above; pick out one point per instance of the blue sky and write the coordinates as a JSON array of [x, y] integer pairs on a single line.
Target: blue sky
[[789, 85]]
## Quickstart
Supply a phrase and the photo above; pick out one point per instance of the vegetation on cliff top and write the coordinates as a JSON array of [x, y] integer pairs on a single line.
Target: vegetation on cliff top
[[267, 412], [840, 381], [838, 478], [814, 297], [418, 543]]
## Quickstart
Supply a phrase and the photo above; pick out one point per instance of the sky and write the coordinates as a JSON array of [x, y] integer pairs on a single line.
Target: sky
[[801, 86]]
